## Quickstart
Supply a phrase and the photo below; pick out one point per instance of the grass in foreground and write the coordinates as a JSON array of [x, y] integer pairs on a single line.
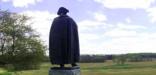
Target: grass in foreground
[[108, 68]]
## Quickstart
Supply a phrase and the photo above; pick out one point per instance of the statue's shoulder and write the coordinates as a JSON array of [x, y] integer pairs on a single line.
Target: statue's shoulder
[[63, 18], [56, 18], [69, 18]]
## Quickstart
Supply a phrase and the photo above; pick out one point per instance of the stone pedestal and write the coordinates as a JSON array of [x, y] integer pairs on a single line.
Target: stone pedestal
[[64, 71]]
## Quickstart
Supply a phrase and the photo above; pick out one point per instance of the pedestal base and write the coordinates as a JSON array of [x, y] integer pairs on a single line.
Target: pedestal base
[[64, 71]]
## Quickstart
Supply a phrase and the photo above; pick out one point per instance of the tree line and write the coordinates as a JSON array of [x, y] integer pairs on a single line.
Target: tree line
[[119, 59]]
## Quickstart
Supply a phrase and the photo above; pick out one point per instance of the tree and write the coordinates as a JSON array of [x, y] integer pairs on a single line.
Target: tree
[[120, 59], [19, 43]]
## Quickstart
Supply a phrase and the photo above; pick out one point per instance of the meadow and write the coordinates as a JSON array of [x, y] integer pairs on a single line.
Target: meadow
[[107, 68]]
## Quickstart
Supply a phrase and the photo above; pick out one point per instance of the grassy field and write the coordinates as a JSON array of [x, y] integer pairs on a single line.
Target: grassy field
[[108, 68]]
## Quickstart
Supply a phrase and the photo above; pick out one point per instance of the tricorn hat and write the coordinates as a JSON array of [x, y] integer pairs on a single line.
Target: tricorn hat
[[62, 10]]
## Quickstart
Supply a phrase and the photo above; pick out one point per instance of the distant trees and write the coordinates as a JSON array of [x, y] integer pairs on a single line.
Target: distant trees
[[138, 57], [119, 59], [20, 45], [92, 58], [134, 57]]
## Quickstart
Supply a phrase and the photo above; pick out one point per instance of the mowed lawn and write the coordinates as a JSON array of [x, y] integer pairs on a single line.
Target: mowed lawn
[[107, 68]]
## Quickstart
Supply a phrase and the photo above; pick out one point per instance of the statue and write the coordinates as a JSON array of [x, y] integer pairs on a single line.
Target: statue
[[64, 40]]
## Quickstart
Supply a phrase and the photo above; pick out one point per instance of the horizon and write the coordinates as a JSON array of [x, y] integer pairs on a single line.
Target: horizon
[[105, 26]]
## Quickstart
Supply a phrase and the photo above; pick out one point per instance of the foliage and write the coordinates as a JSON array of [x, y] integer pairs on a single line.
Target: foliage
[[20, 45], [138, 57], [92, 58], [120, 59]]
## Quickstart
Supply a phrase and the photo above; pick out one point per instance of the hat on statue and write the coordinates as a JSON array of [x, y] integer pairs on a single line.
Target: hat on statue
[[62, 10]]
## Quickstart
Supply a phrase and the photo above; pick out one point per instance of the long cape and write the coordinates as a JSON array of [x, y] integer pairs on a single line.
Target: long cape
[[64, 41]]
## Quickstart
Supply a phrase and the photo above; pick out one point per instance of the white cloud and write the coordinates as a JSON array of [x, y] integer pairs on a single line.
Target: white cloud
[[87, 45], [128, 20], [134, 4], [125, 39], [124, 30], [100, 17], [88, 36], [41, 22], [22, 3], [129, 26], [98, 21], [122, 38], [88, 40], [116, 39], [90, 23], [142, 42], [117, 33], [151, 14], [131, 44]]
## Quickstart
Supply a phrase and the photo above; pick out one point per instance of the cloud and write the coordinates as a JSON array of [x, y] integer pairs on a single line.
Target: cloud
[[105, 39], [124, 30], [89, 44], [151, 14], [128, 20], [89, 25], [126, 39], [86, 27], [117, 33], [22, 3], [121, 30], [98, 21], [116, 39], [88, 33], [41, 22], [132, 4], [140, 43], [100, 17], [130, 27]]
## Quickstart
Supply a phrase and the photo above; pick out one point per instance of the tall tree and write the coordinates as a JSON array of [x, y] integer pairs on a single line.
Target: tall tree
[[19, 43]]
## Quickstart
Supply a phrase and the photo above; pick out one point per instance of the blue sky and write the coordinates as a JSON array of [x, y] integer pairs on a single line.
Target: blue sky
[[105, 26]]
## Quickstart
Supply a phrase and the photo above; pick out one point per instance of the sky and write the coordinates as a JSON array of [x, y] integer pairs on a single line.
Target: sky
[[105, 26]]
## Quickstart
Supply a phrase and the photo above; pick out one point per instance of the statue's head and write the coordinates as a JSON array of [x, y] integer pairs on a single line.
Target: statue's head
[[62, 11]]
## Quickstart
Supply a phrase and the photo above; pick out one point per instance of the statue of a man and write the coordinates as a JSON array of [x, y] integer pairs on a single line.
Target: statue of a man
[[64, 40]]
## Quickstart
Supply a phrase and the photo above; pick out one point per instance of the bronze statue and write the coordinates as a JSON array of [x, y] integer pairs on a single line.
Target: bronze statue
[[64, 40]]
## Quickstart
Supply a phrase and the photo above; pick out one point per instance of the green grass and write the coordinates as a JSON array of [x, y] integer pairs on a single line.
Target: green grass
[[108, 68], [4, 72]]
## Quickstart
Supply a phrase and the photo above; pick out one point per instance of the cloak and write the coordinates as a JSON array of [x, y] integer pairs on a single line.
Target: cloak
[[64, 41]]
